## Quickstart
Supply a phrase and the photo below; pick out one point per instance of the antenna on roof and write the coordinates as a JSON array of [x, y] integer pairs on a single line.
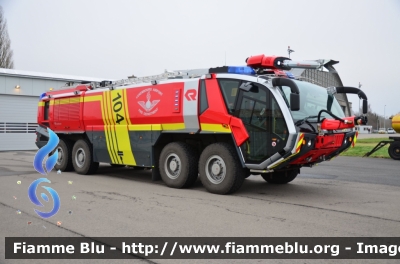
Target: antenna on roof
[[289, 51], [225, 58]]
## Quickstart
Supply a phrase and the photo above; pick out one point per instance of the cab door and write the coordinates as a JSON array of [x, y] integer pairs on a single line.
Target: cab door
[[264, 122]]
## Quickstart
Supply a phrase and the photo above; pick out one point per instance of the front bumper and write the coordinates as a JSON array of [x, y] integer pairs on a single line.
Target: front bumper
[[40, 144], [42, 136], [317, 149]]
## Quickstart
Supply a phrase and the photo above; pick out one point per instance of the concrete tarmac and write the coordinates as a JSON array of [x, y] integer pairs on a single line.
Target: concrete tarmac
[[348, 197]]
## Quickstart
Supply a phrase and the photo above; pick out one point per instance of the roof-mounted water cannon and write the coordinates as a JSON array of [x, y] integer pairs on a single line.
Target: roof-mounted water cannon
[[281, 63]]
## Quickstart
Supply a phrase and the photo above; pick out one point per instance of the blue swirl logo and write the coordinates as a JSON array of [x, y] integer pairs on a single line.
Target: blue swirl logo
[[34, 199], [44, 151], [39, 167]]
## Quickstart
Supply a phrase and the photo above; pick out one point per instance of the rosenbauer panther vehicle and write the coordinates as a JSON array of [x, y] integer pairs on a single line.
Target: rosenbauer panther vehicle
[[222, 124]]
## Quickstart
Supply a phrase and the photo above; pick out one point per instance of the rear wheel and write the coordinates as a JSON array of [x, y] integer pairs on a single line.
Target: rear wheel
[[178, 165], [64, 161], [394, 150], [220, 170], [281, 177], [82, 158]]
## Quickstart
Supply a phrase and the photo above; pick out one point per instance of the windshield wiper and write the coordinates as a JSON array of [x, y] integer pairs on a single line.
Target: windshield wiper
[[305, 120]]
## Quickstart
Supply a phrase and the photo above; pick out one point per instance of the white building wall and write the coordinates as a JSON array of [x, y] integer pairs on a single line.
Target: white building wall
[[18, 107]]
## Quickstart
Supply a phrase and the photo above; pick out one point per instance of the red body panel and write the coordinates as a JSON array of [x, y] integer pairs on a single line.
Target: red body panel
[[329, 141], [165, 111], [218, 114]]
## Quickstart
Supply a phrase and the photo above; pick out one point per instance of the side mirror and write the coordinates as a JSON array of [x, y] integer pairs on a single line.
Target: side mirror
[[365, 106], [294, 102], [246, 86], [294, 96]]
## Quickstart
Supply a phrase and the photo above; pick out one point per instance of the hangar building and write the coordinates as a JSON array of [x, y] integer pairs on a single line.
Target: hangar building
[[19, 96]]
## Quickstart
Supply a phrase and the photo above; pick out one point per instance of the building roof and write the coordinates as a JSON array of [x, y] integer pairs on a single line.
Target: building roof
[[50, 76]]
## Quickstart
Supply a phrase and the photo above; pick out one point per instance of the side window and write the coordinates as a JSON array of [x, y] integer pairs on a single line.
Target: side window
[[253, 109], [46, 110], [278, 121], [203, 97], [246, 110], [230, 89]]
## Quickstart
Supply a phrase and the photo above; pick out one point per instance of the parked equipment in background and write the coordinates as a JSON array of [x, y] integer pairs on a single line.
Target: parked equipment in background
[[394, 142]]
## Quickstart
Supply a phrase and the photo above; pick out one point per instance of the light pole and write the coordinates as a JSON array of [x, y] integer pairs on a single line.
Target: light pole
[[289, 50], [384, 117]]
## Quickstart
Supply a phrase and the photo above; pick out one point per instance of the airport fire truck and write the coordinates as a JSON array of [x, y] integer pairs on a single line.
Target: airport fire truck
[[220, 124]]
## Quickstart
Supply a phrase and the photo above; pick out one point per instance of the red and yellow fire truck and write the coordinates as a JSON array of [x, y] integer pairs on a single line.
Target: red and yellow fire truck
[[221, 124]]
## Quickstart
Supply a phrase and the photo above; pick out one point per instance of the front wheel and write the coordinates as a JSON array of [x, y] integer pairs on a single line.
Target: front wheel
[[220, 169], [394, 150], [82, 158], [281, 177]]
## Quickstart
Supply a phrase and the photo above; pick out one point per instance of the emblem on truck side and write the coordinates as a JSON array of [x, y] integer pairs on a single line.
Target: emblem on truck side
[[148, 105]]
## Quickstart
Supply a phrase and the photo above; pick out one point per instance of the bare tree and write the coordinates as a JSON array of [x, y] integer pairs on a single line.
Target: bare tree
[[6, 53]]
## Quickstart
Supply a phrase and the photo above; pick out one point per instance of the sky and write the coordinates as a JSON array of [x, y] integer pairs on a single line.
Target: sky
[[115, 39]]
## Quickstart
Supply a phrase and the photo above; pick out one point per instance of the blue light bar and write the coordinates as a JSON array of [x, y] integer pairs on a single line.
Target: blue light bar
[[241, 70], [42, 95], [290, 75]]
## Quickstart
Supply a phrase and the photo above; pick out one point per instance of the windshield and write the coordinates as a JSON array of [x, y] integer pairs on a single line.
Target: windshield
[[313, 98]]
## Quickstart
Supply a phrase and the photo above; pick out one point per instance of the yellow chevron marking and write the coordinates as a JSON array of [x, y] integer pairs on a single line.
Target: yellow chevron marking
[[106, 127], [126, 107], [120, 126], [111, 128]]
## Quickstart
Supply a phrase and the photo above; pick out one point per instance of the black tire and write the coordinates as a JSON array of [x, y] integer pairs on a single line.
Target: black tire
[[394, 150], [228, 174], [178, 165], [64, 161], [281, 177], [84, 165], [247, 173]]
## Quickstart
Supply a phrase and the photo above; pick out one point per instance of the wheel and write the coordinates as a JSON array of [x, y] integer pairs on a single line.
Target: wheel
[[178, 165], [82, 158], [64, 161], [280, 177], [220, 169], [117, 165], [394, 150]]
